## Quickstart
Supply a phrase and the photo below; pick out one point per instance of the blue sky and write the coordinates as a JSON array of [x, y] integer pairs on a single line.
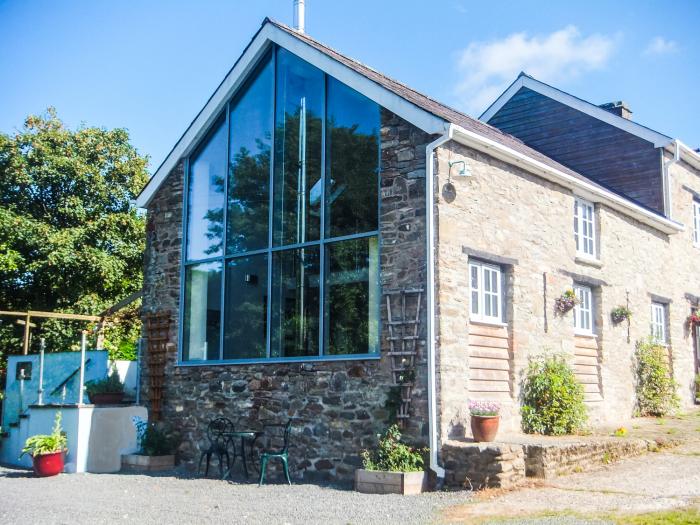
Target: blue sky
[[149, 66]]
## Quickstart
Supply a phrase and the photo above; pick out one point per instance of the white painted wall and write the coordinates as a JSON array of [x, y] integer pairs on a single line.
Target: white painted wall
[[97, 436]]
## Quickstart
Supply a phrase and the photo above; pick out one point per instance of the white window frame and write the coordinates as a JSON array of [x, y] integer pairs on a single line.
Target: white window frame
[[658, 322], [696, 223], [482, 295], [584, 228], [584, 322]]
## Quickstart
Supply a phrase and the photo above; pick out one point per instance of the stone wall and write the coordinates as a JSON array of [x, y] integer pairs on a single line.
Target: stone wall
[[524, 223], [477, 466], [338, 406]]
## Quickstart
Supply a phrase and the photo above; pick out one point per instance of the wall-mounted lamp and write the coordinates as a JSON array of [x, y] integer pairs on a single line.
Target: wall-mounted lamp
[[464, 170]]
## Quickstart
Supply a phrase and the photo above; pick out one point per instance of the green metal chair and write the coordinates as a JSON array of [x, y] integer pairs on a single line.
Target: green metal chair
[[281, 454]]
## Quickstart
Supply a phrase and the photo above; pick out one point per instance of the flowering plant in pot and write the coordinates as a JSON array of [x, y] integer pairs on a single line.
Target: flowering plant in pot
[[693, 319], [47, 450], [565, 302], [484, 420], [106, 391], [620, 313]]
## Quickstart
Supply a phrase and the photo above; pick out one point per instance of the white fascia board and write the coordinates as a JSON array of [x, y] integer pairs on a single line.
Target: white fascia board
[[501, 101], [580, 188], [659, 140], [689, 155], [269, 33]]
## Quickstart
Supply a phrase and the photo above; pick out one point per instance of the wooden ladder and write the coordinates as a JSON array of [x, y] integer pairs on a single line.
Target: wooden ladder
[[403, 308]]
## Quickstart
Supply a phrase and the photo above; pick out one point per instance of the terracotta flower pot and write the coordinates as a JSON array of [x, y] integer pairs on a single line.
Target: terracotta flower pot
[[485, 428], [48, 464], [106, 398]]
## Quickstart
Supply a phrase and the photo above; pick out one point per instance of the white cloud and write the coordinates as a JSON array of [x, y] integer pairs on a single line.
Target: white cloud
[[660, 46], [487, 68]]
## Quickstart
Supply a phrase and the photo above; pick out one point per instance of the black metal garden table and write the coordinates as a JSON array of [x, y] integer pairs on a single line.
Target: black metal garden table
[[246, 436]]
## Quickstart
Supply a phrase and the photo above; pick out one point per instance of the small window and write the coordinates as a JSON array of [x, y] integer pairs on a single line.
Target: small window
[[658, 322], [696, 223], [584, 228], [486, 292], [583, 311]]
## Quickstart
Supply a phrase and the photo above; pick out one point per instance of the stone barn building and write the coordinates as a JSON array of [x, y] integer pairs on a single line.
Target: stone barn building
[[325, 243]]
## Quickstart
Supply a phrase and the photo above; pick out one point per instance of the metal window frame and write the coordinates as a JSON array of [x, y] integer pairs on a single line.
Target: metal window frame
[[322, 243]]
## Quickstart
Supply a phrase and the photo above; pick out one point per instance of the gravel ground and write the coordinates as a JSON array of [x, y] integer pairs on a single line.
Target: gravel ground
[[654, 482], [128, 498]]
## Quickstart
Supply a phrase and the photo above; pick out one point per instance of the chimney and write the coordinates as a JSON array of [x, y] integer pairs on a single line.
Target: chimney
[[299, 15], [619, 108]]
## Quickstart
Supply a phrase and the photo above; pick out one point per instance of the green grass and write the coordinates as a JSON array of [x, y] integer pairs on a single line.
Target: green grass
[[668, 517]]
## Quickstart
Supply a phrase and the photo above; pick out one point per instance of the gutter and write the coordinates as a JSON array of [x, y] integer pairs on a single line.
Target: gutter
[[430, 285], [582, 188]]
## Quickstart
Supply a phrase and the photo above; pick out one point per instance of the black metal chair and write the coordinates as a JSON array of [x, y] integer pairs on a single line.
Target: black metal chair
[[219, 442], [281, 454]]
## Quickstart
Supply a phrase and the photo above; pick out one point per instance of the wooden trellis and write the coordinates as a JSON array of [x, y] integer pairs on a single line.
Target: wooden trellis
[[157, 337], [403, 309]]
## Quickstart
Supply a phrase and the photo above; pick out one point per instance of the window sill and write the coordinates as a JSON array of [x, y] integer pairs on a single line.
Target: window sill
[[282, 361], [587, 335], [588, 261], [489, 323]]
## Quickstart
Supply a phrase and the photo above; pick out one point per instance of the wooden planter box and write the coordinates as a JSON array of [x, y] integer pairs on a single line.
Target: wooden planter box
[[139, 462], [382, 482]]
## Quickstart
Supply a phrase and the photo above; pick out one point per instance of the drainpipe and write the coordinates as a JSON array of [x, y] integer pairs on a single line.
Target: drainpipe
[[430, 232], [667, 175]]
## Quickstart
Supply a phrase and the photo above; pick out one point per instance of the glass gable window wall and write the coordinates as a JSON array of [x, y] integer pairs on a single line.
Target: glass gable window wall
[[282, 247]]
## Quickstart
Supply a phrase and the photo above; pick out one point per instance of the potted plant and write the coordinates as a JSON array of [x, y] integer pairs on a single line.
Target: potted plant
[[393, 468], [620, 313], [106, 391], [47, 451], [565, 302], [484, 420], [693, 319], [155, 449]]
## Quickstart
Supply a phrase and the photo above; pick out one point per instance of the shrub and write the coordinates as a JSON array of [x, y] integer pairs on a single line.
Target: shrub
[[656, 389], [108, 385], [552, 398], [152, 440], [392, 455]]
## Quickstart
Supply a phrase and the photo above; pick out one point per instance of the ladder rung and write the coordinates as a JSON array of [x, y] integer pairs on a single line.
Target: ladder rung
[[410, 321], [405, 352]]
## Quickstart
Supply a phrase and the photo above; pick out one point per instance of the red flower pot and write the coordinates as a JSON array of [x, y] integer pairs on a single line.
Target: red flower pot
[[48, 464], [484, 428]]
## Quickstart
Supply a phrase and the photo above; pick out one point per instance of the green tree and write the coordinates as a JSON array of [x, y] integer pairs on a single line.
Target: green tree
[[71, 239]]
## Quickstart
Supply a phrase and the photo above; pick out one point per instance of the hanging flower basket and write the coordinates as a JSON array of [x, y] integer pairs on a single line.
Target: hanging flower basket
[[693, 320], [565, 302], [620, 313]]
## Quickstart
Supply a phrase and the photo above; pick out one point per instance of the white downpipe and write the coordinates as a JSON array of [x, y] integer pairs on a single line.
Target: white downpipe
[[667, 176], [81, 386], [430, 278]]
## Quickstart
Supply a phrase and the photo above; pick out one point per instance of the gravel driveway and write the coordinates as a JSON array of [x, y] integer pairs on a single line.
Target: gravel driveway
[[131, 498]]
